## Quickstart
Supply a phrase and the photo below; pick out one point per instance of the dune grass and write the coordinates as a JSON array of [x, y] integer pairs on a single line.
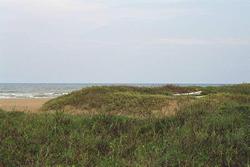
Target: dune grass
[[235, 89], [122, 100], [210, 131]]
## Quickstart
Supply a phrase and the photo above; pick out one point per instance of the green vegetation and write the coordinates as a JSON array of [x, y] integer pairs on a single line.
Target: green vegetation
[[122, 100], [235, 89], [213, 130]]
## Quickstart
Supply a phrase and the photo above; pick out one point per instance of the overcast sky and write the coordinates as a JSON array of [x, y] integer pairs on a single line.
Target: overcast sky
[[132, 41]]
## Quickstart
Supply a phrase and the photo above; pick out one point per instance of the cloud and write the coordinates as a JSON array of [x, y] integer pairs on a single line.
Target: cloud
[[202, 41]]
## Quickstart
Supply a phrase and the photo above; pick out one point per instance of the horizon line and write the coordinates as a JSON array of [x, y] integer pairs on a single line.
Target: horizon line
[[227, 83]]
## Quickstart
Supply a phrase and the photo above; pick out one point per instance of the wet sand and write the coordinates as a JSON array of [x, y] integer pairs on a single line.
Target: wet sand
[[26, 105]]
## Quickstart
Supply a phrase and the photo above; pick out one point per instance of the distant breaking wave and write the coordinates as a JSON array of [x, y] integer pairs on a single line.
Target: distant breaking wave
[[30, 95], [28, 90], [43, 90]]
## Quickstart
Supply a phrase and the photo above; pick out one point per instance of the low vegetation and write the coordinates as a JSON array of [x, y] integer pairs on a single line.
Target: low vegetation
[[212, 130], [122, 100]]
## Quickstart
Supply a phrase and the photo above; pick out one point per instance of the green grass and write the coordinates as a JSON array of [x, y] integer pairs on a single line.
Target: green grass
[[122, 100], [235, 89], [209, 131]]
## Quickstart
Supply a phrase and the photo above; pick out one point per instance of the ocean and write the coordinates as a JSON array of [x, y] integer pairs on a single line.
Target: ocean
[[51, 90]]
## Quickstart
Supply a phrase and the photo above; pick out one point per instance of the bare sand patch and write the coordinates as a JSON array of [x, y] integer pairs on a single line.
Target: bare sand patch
[[25, 105]]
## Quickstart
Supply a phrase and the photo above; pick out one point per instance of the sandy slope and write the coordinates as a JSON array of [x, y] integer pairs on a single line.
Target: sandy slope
[[27, 105]]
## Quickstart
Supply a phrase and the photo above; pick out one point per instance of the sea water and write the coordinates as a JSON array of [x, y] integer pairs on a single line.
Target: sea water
[[51, 90]]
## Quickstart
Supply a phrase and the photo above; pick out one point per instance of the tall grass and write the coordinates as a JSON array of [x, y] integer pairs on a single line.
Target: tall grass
[[194, 137], [209, 131]]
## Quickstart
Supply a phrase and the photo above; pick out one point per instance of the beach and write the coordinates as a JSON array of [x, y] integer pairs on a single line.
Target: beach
[[29, 97], [26, 105]]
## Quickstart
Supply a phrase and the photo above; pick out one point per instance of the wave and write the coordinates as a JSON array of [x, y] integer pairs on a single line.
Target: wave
[[8, 95]]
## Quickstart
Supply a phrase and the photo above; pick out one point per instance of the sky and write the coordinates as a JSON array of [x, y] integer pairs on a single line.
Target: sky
[[132, 41]]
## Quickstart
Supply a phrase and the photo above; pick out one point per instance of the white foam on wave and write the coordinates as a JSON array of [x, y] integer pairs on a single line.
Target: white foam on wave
[[30, 95]]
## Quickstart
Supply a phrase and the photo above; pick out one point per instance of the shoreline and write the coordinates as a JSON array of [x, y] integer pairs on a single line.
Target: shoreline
[[23, 104]]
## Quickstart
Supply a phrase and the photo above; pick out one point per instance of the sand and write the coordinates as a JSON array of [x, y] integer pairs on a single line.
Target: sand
[[26, 105]]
